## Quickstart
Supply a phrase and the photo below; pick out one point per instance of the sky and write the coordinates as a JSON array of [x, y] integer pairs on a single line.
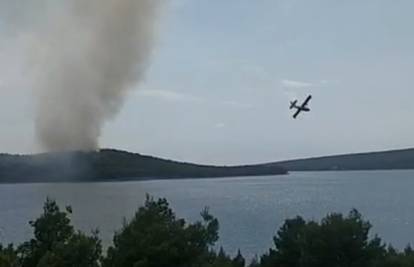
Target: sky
[[222, 74]]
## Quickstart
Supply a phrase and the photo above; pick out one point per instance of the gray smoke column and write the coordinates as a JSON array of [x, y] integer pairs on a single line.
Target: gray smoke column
[[87, 56]]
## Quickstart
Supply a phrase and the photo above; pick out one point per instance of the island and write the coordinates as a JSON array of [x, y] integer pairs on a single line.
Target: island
[[384, 160], [113, 165], [116, 165]]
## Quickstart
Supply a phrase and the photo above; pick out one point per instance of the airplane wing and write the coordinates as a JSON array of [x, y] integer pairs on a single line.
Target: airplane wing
[[307, 101], [297, 113]]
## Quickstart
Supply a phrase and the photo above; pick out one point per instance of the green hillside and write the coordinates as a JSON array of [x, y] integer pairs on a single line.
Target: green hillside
[[112, 165], [385, 160]]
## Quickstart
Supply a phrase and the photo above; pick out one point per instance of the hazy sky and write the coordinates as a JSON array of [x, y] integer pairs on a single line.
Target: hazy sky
[[223, 72]]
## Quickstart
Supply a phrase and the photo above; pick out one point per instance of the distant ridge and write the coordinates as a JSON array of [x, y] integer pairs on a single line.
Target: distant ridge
[[113, 165], [382, 160], [116, 165]]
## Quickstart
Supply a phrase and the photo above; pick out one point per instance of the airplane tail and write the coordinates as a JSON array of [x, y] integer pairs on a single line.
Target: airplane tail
[[293, 104]]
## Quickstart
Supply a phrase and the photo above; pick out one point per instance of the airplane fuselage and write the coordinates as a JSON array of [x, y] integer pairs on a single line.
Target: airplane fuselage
[[301, 108]]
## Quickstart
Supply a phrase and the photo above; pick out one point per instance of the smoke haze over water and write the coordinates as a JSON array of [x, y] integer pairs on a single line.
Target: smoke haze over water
[[87, 56]]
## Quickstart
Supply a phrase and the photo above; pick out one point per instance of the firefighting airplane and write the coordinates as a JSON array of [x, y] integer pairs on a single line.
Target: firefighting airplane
[[304, 107]]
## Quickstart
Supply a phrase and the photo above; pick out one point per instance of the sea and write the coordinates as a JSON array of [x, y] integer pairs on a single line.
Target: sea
[[250, 209]]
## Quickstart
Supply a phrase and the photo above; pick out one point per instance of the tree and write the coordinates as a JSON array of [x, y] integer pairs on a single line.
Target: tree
[[288, 243], [335, 241], [220, 260], [56, 243], [239, 260], [156, 238], [8, 256]]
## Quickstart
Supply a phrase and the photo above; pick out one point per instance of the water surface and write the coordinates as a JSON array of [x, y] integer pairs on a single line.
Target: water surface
[[249, 209]]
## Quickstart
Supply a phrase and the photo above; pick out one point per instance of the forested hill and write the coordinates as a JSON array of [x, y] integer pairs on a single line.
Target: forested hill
[[385, 160], [113, 165]]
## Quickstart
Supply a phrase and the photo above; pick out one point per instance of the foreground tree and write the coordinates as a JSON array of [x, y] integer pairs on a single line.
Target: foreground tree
[[8, 256], [336, 241], [56, 243], [155, 237], [223, 260]]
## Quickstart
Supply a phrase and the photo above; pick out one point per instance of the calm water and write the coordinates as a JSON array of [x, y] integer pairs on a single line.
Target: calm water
[[249, 209]]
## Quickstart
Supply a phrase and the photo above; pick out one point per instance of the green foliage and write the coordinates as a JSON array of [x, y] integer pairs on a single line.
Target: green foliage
[[56, 243], [335, 241], [8, 256], [108, 164], [155, 237], [239, 260], [385, 160], [223, 260]]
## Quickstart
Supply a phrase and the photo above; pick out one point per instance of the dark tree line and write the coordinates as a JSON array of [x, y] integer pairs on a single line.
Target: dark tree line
[[155, 237], [109, 164]]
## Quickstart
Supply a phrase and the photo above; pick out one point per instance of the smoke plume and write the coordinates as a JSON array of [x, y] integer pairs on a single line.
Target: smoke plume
[[88, 55]]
